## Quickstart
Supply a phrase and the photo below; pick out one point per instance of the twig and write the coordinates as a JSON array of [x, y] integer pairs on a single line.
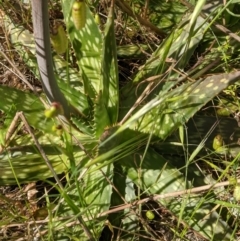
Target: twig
[[10, 132], [19, 74], [169, 195], [81, 222], [139, 202], [23, 118]]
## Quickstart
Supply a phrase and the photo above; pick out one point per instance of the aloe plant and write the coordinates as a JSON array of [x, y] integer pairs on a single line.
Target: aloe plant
[[113, 128]]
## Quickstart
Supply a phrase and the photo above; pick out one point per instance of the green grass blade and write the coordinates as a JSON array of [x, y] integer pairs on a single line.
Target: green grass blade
[[109, 77], [91, 195]]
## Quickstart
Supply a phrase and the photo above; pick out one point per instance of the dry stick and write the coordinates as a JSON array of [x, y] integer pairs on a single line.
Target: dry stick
[[136, 203], [126, 8], [45, 63], [22, 77], [23, 118], [21, 115], [170, 195], [10, 132], [18, 72]]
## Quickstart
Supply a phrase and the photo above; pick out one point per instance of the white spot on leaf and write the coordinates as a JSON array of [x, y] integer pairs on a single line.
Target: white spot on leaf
[[209, 85], [202, 96]]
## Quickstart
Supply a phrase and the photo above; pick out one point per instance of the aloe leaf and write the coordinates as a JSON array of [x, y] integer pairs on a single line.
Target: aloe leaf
[[123, 185], [131, 51], [154, 67], [16, 100], [87, 45], [101, 115], [153, 173], [157, 64], [84, 126], [106, 107], [157, 176], [23, 163], [176, 49], [125, 219], [130, 221], [71, 84], [20, 167], [109, 77], [97, 194], [198, 128], [168, 113], [192, 30], [91, 196], [114, 147], [191, 36], [69, 80], [179, 45]]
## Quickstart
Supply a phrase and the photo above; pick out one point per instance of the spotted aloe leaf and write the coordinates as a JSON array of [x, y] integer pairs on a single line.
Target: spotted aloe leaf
[[175, 52], [87, 45], [91, 196], [17, 100], [181, 105], [152, 172], [19, 168], [21, 161], [106, 107], [177, 47], [109, 76], [101, 115], [72, 87], [96, 55], [200, 126], [154, 67]]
